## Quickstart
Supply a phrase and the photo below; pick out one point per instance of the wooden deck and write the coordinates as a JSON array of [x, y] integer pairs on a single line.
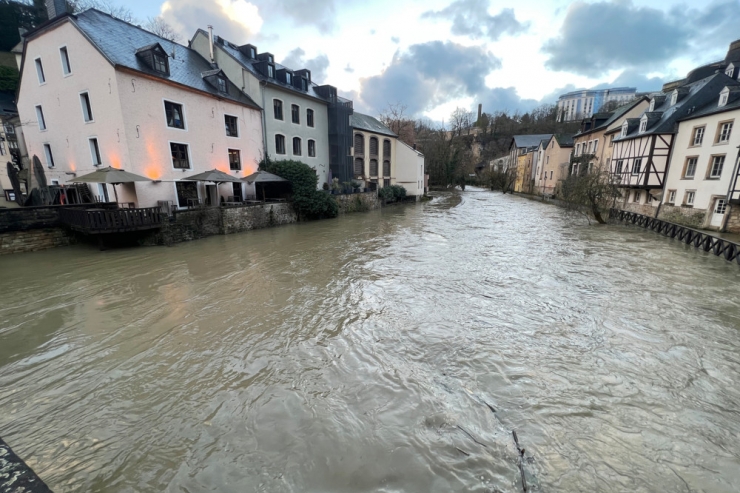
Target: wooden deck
[[100, 221]]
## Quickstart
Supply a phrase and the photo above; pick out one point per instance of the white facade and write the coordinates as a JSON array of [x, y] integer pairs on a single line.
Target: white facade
[[265, 93], [578, 105], [695, 178], [410, 169], [128, 121]]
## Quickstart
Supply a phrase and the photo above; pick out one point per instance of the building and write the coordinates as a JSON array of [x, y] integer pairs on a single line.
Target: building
[[593, 144], [12, 147], [380, 159], [577, 105], [703, 167], [303, 121], [554, 164], [643, 146], [96, 91], [519, 148]]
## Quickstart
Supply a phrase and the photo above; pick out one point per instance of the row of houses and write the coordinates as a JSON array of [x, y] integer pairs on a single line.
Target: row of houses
[[96, 91], [673, 153]]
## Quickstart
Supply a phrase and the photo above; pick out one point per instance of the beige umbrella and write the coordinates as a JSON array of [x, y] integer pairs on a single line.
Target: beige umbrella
[[109, 175]]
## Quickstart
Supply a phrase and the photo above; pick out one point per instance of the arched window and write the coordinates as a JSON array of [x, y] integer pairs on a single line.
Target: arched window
[[359, 166], [297, 146], [386, 168], [359, 145], [373, 146], [311, 148], [374, 165], [387, 149], [277, 107], [279, 144]]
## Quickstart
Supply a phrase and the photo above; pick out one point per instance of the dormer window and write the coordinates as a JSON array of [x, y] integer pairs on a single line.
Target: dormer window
[[643, 125], [287, 78], [271, 71], [160, 63], [730, 71], [252, 53], [624, 130], [652, 105], [674, 97], [724, 96], [221, 84]]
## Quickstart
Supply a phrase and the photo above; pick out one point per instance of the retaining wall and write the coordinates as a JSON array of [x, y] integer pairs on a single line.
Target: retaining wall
[[357, 202], [685, 216]]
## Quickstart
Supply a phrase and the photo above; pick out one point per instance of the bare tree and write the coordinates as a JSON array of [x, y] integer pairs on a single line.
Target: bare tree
[[158, 26], [106, 6], [589, 192], [394, 117], [460, 121]]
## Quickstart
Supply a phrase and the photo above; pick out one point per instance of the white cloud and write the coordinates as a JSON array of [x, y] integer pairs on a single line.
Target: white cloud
[[235, 20]]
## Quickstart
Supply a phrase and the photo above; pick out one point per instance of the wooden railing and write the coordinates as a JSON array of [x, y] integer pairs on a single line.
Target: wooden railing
[[96, 221], [702, 240]]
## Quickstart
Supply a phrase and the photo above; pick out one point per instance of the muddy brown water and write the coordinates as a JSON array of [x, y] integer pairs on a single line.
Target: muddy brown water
[[360, 354]]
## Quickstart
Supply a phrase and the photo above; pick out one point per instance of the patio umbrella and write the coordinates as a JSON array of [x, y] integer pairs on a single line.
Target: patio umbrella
[[215, 176], [263, 177], [109, 175]]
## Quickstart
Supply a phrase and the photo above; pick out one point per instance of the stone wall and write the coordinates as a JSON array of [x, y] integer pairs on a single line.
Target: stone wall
[[685, 216], [34, 240], [644, 209], [237, 219], [357, 202], [733, 221]]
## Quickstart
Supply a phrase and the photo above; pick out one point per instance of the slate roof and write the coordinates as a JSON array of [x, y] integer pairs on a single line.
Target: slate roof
[[713, 106], [699, 94], [370, 124], [248, 63], [613, 116], [530, 140], [119, 42], [564, 140]]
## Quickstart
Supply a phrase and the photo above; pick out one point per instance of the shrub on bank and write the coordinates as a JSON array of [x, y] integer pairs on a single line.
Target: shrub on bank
[[392, 193], [308, 202]]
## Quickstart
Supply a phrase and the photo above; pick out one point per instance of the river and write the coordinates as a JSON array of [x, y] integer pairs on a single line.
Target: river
[[363, 353]]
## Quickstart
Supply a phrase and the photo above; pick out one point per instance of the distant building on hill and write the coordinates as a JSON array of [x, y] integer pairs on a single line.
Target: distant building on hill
[[577, 105]]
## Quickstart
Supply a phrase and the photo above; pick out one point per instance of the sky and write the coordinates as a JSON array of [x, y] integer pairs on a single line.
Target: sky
[[435, 55]]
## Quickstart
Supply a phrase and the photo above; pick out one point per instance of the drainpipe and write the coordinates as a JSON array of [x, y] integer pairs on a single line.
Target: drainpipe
[[263, 83], [210, 43], [733, 180]]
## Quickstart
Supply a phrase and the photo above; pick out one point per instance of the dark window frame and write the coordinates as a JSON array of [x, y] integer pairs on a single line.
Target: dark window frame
[[40, 70], [87, 113], [279, 144], [277, 109], [311, 148], [49, 155], [299, 142], [232, 127], [95, 151], [309, 117], [295, 114], [183, 155], [66, 67], [159, 62], [235, 165], [170, 121]]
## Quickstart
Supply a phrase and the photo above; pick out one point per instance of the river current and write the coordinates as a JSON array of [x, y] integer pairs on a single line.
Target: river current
[[368, 354]]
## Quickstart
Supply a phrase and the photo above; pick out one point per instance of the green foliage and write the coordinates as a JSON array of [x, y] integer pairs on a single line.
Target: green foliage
[[392, 193], [8, 78], [308, 202]]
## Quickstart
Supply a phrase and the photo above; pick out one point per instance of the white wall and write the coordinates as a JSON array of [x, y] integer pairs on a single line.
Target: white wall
[[409, 169]]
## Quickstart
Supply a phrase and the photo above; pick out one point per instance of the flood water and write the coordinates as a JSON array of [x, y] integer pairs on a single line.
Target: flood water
[[362, 354]]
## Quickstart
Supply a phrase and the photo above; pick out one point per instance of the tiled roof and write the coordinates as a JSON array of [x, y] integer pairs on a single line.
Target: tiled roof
[[530, 140], [119, 42], [698, 95], [370, 124], [248, 63]]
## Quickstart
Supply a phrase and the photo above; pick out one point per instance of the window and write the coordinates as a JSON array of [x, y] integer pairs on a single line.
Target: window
[[578, 149], [311, 148], [359, 166], [652, 105], [40, 118], [309, 117], [624, 129], [232, 126], [674, 97], [9, 129], [620, 166], [547, 159], [359, 145], [551, 175], [288, 78], [636, 166], [187, 193], [174, 115], [689, 199], [373, 147], [235, 160], [596, 145], [40, 71], [160, 63], [386, 168], [295, 113], [373, 167], [237, 190], [637, 196], [690, 170], [277, 107], [718, 163], [643, 125], [698, 136], [611, 140], [590, 144], [179, 156], [271, 72], [723, 99], [724, 132], [730, 71], [671, 196], [66, 69], [721, 206], [296, 146], [95, 152], [86, 108], [221, 84], [279, 144], [49, 157]]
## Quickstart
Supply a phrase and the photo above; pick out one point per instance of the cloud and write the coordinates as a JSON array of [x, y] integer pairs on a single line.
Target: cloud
[[471, 18], [296, 60], [602, 36], [429, 74], [320, 14], [349, 69], [636, 78], [233, 19], [395, 39], [505, 99]]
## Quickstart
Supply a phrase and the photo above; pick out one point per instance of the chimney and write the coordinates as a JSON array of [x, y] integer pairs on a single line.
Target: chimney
[[480, 110], [55, 8], [210, 43]]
